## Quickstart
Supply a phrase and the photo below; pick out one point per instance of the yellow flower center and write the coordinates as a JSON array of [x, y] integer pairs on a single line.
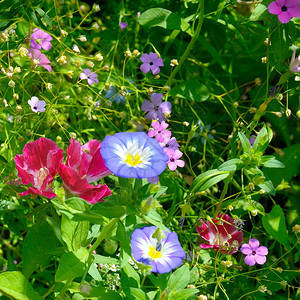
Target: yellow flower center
[[153, 253], [133, 160]]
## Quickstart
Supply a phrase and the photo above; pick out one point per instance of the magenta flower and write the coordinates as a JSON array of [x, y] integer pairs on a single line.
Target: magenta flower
[[39, 165], [254, 253], [36, 104], [174, 160], [285, 9], [151, 62], [123, 25], [222, 233], [156, 108], [295, 63], [85, 165], [39, 59], [40, 39], [90, 76], [159, 131]]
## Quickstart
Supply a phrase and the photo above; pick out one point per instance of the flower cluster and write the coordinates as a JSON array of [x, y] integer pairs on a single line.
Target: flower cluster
[[38, 40], [42, 159], [168, 143]]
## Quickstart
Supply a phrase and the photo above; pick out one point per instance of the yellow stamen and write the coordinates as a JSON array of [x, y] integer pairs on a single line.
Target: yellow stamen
[[153, 253], [133, 160]]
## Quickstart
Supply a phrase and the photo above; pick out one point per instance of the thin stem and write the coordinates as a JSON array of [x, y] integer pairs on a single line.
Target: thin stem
[[226, 183], [192, 42]]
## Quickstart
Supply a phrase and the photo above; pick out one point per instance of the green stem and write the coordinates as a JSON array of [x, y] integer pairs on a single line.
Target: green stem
[[192, 42], [106, 231], [226, 183]]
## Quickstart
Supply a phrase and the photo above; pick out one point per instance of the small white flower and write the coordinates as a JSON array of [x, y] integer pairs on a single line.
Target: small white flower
[[76, 48], [37, 105]]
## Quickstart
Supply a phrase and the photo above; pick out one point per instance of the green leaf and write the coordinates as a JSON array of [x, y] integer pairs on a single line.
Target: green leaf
[[74, 233], [245, 142], [94, 272], [129, 276], [72, 265], [274, 224], [39, 239], [191, 90], [231, 165], [138, 294], [263, 139], [179, 279], [44, 16], [108, 210], [270, 161], [241, 206], [100, 259], [15, 285], [207, 179], [259, 12], [99, 292], [183, 294], [155, 222], [163, 18]]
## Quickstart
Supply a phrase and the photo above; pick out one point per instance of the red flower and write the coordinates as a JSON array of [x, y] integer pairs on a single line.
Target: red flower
[[85, 165], [222, 233], [39, 165]]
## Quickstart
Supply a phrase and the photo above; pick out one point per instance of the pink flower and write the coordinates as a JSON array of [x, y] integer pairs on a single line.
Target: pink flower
[[295, 63], [174, 160], [159, 131], [285, 9], [36, 104], [221, 233], [254, 253], [151, 62], [39, 165], [39, 59], [85, 165], [40, 39], [91, 77]]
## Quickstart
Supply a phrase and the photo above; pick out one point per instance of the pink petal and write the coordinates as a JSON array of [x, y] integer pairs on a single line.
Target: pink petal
[[260, 259], [284, 17], [74, 154], [155, 69], [172, 166], [262, 250], [246, 249], [274, 8], [47, 67], [31, 190], [46, 45], [180, 163], [292, 3], [254, 244], [250, 260], [159, 62], [145, 58], [294, 12]]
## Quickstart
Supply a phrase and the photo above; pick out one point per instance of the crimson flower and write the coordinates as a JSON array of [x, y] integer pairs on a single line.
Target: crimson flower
[[285, 9], [39, 165], [222, 233], [85, 165]]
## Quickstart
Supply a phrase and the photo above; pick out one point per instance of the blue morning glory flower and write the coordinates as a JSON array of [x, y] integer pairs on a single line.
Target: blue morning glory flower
[[162, 254], [133, 155]]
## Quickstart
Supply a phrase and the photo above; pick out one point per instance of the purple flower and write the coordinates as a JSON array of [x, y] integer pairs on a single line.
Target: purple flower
[[37, 105], [254, 253], [285, 9], [40, 39], [252, 140], [123, 25], [170, 144], [90, 76], [295, 63], [159, 131], [39, 59], [156, 109], [163, 254], [151, 62]]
